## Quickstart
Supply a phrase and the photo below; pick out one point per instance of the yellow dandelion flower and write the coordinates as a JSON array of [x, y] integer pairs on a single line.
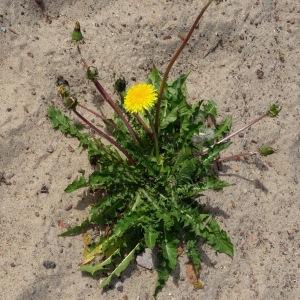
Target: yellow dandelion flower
[[140, 97]]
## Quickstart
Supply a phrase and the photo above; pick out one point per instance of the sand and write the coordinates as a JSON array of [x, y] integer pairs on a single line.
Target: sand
[[245, 55]]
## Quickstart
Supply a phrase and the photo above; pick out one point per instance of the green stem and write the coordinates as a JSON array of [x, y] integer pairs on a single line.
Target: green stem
[[144, 125]]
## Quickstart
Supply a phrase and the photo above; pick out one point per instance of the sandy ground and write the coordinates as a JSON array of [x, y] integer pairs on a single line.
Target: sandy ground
[[245, 55]]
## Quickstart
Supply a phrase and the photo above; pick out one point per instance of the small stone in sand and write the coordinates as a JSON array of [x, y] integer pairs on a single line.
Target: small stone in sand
[[145, 259], [44, 189], [50, 149], [48, 264], [260, 74], [68, 207]]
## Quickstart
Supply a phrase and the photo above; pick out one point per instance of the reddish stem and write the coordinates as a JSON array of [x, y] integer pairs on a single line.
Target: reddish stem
[[111, 102], [228, 137], [105, 136], [173, 60], [91, 111]]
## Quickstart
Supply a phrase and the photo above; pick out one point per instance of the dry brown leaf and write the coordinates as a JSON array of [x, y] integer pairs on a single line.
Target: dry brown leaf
[[192, 277]]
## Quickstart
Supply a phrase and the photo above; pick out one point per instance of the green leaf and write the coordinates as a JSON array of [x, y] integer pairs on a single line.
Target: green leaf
[[66, 126], [210, 109], [151, 236], [187, 170], [163, 273], [84, 226], [169, 247], [193, 253], [121, 267], [155, 78], [107, 210], [265, 150], [169, 118], [218, 238], [212, 183], [99, 267], [206, 227], [76, 184], [128, 221], [274, 110], [223, 128], [213, 153]]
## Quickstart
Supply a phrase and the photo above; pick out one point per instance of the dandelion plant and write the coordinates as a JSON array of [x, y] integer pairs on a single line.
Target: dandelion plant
[[152, 163]]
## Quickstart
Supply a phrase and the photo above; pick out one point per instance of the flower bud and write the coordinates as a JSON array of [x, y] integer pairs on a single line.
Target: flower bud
[[92, 73], [76, 34]]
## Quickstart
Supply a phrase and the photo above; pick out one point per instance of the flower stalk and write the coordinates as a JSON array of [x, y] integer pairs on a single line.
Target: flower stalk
[[144, 125], [228, 137], [110, 101], [173, 60], [105, 136], [92, 112]]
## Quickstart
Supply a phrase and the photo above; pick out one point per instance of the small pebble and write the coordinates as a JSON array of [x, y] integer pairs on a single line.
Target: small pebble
[[69, 207], [145, 259], [44, 189], [48, 264], [50, 149], [9, 109], [260, 74], [12, 265], [37, 214], [119, 286]]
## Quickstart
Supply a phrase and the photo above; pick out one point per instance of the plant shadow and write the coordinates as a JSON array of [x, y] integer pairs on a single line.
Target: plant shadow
[[255, 182], [89, 198]]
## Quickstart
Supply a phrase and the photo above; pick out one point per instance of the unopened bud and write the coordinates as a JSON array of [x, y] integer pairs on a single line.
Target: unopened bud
[[92, 73], [76, 34], [120, 85], [70, 102]]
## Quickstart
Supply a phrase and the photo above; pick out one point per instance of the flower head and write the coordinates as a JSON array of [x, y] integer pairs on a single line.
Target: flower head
[[140, 97]]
